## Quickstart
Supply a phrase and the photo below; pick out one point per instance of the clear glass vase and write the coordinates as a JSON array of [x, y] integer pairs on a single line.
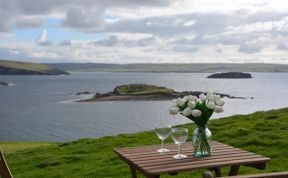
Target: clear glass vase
[[201, 142]]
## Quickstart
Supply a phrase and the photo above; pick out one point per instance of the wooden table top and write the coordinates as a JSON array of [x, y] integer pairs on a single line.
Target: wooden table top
[[147, 160]]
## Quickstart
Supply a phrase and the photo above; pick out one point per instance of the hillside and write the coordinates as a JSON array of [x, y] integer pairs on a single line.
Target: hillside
[[95, 157], [197, 67], [27, 68]]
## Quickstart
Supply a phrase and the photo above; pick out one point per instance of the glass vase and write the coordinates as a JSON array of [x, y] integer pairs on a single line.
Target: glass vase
[[201, 142]]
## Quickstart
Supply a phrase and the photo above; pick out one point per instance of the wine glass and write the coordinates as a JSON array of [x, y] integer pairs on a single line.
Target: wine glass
[[179, 135], [162, 134]]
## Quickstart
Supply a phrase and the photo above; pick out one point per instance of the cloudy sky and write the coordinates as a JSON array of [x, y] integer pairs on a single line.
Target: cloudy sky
[[138, 31]]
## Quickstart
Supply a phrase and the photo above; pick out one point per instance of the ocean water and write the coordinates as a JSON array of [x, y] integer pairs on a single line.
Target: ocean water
[[39, 108]]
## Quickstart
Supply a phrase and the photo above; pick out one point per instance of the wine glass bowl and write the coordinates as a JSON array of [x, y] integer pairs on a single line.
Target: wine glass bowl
[[162, 134], [179, 136]]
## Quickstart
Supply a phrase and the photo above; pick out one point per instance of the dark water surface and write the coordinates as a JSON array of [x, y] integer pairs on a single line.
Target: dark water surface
[[39, 108]]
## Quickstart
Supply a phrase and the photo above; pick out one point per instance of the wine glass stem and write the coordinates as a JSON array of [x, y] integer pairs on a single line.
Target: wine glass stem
[[179, 149], [162, 144]]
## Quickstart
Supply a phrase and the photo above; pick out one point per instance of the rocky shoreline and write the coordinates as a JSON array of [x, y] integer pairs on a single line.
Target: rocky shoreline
[[4, 83], [230, 75], [112, 96]]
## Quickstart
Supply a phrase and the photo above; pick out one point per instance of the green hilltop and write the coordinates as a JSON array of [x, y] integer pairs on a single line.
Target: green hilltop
[[264, 133], [141, 89], [27, 68]]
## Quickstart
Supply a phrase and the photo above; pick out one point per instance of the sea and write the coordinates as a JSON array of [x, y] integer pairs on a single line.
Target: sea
[[41, 108]]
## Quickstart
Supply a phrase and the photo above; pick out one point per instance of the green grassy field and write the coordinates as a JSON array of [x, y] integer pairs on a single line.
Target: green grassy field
[[264, 133]]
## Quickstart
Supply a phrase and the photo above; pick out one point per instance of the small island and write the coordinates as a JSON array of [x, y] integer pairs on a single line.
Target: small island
[[28, 68], [4, 83], [144, 92], [231, 75]]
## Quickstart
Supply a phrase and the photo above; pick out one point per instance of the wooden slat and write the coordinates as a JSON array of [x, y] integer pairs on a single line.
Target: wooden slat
[[201, 166], [191, 159], [142, 149], [155, 155], [187, 162], [172, 149]]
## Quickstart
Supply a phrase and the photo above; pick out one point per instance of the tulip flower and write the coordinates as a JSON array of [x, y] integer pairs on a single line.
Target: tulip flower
[[192, 98], [220, 103], [191, 104], [211, 105], [186, 112], [218, 109], [174, 110], [196, 113], [180, 102], [208, 95], [202, 97]]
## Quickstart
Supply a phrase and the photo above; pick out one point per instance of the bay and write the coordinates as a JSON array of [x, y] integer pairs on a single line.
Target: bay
[[39, 108]]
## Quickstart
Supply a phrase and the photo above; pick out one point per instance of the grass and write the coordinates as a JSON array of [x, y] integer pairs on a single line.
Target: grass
[[264, 133], [141, 89], [25, 65], [10, 147]]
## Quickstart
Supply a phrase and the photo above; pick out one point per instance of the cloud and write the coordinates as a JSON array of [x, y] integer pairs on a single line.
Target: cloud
[[186, 49], [85, 14], [250, 48], [65, 43], [113, 41], [29, 22], [84, 19], [42, 39]]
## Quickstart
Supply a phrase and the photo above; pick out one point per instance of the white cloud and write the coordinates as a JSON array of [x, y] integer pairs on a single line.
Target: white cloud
[[42, 39]]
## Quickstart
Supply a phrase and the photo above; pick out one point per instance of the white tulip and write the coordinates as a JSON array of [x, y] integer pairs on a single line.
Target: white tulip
[[192, 98], [191, 104], [185, 98], [196, 113], [202, 97], [213, 98], [208, 95], [174, 110], [220, 103], [211, 105], [186, 112], [180, 102], [218, 97], [218, 109]]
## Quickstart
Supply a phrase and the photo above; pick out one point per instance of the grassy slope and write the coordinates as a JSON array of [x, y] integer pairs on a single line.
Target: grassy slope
[[264, 133], [141, 89], [25, 65]]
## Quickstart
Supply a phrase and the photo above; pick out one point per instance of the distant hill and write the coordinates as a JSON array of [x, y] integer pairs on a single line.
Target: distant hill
[[27, 68], [199, 67]]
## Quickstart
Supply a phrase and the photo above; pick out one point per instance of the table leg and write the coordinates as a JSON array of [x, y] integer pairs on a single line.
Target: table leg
[[133, 172], [234, 170], [218, 172]]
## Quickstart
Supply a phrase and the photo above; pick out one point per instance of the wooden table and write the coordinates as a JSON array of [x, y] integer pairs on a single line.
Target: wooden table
[[146, 160]]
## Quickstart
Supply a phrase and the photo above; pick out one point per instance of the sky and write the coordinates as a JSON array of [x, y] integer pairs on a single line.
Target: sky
[[144, 31]]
